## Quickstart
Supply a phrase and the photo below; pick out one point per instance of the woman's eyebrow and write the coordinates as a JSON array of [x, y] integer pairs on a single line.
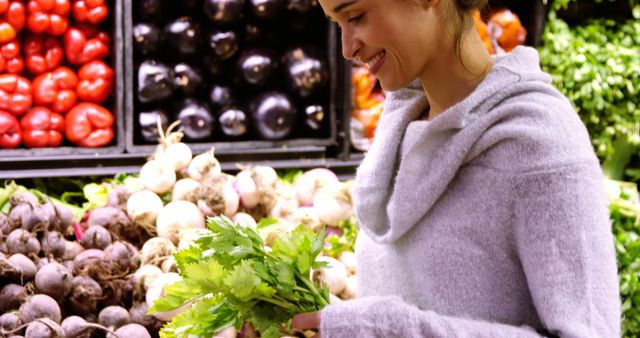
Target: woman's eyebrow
[[343, 5]]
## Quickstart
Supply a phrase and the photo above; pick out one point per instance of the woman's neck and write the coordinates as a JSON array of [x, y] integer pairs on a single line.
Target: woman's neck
[[449, 81]]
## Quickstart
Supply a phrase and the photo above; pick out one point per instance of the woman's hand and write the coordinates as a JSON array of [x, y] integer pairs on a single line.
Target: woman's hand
[[307, 321]]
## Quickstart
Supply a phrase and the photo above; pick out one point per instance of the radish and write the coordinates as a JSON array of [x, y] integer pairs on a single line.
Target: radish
[[39, 306], [335, 275], [54, 280], [204, 167], [44, 328], [53, 243], [143, 207], [333, 203], [78, 327], [157, 291], [185, 189], [22, 241], [84, 295], [96, 237], [24, 266], [310, 182], [158, 176], [11, 296], [178, 215], [156, 250]]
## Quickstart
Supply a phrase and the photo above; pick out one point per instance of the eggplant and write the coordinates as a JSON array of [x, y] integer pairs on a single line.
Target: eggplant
[[266, 9], [188, 79], [307, 73], [146, 10], [273, 115], [212, 65], [155, 81], [223, 11], [301, 6], [183, 35], [233, 121], [223, 44], [147, 38], [197, 122], [148, 121], [255, 66], [220, 97], [315, 117]]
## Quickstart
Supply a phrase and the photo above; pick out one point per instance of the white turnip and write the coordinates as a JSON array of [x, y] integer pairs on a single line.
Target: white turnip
[[54, 280], [96, 238], [247, 189], [204, 167], [143, 278], [310, 182], [245, 220], [175, 155], [309, 217], [11, 296], [228, 332], [44, 328], [335, 274], [185, 189], [53, 243], [25, 267], [39, 306], [84, 296], [178, 215], [333, 203], [22, 241], [113, 317], [156, 250], [350, 290], [156, 291], [348, 258], [143, 207], [217, 196], [169, 265], [158, 176], [138, 313]]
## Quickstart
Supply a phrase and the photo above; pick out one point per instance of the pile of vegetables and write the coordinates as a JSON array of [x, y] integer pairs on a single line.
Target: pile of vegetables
[[54, 79]]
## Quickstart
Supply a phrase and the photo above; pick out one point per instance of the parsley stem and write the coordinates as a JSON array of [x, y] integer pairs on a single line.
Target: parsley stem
[[281, 304], [313, 289]]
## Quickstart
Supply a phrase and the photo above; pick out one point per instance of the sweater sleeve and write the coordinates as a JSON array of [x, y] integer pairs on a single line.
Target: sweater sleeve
[[565, 245]]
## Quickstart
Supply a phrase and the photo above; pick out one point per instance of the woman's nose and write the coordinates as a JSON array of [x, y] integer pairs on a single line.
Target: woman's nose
[[350, 45]]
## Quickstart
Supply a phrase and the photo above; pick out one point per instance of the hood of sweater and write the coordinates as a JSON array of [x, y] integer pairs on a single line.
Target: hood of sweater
[[392, 195]]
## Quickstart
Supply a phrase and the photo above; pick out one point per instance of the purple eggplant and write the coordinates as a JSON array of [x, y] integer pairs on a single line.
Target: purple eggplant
[[255, 66], [223, 44], [145, 10], [266, 9], [155, 81], [220, 97], [212, 65], [223, 11], [273, 115], [196, 119], [307, 73], [147, 38], [301, 6], [188, 79], [183, 35], [233, 121], [148, 121], [315, 117]]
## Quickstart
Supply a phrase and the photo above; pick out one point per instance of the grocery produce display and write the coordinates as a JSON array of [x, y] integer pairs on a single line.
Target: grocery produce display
[[54, 64], [230, 70]]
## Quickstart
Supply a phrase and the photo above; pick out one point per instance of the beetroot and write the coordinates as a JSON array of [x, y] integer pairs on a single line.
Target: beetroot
[[72, 249], [53, 243], [112, 219], [8, 271], [9, 322], [90, 262], [54, 280], [44, 328], [5, 225], [22, 241], [40, 262], [123, 255], [131, 331], [39, 306], [78, 327], [37, 218], [96, 238], [118, 197], [11, 296], [25, 267], [84, 295], [138, 313], [23, 197], [113, 317]]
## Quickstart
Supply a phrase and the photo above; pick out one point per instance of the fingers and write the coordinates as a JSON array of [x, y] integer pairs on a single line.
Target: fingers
[[305, 321]]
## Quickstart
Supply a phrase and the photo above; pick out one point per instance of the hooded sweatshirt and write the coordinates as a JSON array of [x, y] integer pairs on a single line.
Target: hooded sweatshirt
[[488, 221]]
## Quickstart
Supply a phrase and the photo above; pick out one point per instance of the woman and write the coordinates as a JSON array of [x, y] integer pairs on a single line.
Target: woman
[[481, 200]]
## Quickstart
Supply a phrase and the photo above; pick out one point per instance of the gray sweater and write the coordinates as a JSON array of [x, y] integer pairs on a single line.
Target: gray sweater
[[491, 222]]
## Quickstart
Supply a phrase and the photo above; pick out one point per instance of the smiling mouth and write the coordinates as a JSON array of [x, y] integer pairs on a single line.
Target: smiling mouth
[[375, 62]]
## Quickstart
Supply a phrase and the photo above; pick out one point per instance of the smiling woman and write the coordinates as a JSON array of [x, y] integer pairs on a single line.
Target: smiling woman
[[486, 220]]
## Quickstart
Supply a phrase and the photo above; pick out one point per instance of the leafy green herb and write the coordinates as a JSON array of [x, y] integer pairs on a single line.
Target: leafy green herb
[[346, 242], [230, 277]]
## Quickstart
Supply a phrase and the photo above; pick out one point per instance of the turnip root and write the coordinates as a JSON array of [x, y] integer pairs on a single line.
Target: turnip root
[[113, 317], [169, 265], [143, 207], [176, 155], [185, 189], [245, 220], [72, 249], [335, 275], [247, 189], [143, 278], [178, 215], [217, 196], [22, 241], [285, 209], [44, 328], [39, 306], [138, 313], [25, 267], [229, 332], [118, 197], [258, 198], [78, 327], [156, 250], [131, 331], [348, 258], [157, 291], [96, 237], [333, 204], [123, 254], [11, 296], [310, 182], [158, 176], [350, 289], [54, 280], [53, 243], [309, 217], [204, 167], [334, 299], [84, 295]]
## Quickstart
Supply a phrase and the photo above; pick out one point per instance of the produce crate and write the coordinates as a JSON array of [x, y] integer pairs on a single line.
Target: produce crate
[[23, 158], [299, 146]]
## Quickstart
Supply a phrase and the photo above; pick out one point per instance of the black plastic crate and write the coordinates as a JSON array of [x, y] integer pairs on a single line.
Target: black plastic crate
[[299, 145], [28, 158]]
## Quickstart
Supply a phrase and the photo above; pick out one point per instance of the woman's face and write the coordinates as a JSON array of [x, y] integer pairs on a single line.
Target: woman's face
[[396, 39]]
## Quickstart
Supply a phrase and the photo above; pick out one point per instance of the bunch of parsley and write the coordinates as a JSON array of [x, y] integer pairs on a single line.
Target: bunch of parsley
[[229, 277]]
